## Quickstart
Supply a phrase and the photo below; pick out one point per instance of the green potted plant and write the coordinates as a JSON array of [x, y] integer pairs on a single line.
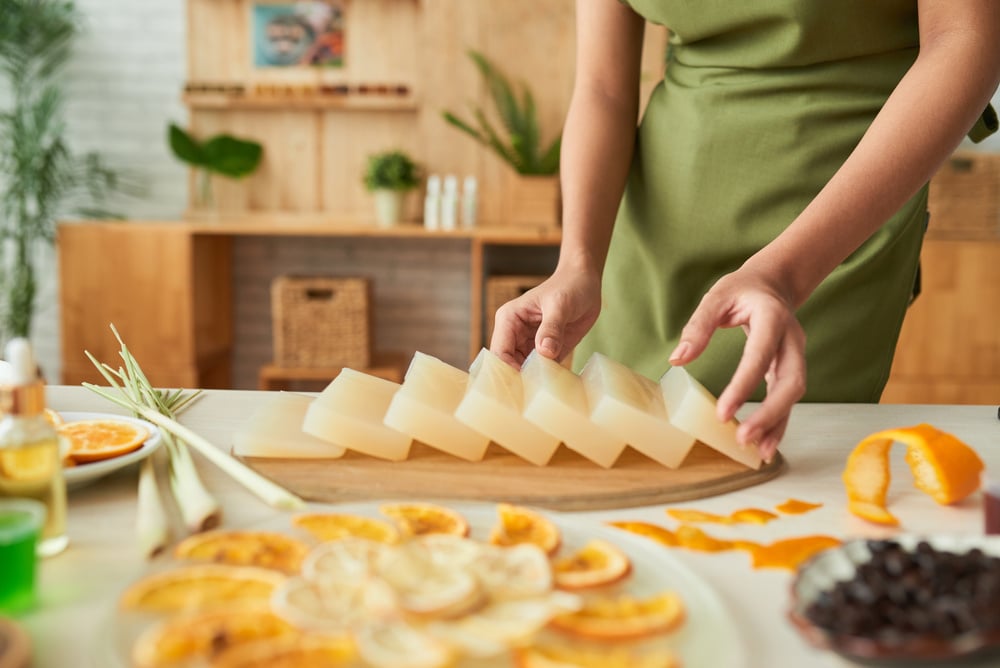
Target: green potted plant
[[40, 177], [389, 176], [222, 154], [532, 183]]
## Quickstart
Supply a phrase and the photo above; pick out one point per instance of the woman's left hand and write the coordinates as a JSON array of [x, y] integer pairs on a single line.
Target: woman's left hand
[[774, 352]]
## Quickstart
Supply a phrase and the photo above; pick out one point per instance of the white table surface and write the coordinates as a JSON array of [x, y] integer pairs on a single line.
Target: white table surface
[[78, 587]]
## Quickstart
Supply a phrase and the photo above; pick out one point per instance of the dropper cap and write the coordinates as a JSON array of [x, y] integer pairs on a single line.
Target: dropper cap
[[21, 390]]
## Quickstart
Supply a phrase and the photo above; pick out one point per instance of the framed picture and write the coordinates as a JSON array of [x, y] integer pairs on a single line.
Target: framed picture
[[306, 33]]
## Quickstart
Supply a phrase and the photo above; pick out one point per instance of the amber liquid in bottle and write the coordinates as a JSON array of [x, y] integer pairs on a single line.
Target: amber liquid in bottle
[[31, 467]]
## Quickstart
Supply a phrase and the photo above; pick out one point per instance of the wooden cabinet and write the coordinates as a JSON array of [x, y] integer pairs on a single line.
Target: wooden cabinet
[[949, 349], [165, 290]]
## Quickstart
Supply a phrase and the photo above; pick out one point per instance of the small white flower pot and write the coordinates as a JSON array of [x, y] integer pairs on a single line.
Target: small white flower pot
[[388, 207]]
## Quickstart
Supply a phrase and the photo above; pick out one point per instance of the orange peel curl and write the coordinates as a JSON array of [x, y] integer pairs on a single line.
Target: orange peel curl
[[943, 467]]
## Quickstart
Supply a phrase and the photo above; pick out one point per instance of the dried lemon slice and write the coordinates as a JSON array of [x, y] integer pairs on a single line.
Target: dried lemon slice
[[521, 571], [623, 617], [348, 557], [449, 550], [245, 548], [334, 606], [597, 564], [416, 519], [190, 638], [94, 440], [428, 588], [202, 587], [334, 526], [517, 525], [399, 645], [304, 652]]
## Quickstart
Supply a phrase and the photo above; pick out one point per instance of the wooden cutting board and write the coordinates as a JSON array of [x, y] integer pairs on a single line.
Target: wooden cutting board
[[569, 482]]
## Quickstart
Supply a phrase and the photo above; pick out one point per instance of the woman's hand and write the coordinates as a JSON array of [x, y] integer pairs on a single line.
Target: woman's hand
[[774, 351], [551, 317]]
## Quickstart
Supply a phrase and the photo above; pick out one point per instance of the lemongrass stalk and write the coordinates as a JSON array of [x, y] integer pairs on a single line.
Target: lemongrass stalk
[[152, 527], [199, 509], [269, 492]]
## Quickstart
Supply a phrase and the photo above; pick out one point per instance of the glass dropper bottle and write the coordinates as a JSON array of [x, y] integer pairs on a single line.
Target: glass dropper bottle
[[30, 452]]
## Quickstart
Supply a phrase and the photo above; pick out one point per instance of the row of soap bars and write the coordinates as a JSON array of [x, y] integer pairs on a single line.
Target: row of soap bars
[[529, 413]]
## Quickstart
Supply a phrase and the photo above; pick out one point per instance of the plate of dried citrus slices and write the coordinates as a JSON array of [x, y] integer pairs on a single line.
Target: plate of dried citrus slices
[[100, 443], [420, 585]]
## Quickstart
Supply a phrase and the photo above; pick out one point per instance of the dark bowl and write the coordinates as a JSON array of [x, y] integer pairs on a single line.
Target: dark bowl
[[823, 571]]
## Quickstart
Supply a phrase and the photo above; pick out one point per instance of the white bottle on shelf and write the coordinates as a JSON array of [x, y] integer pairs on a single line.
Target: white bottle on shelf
[[449, 203], [470, 201], [432, 203]]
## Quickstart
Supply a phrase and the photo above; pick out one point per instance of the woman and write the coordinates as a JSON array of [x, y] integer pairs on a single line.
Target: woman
[[778, 176]]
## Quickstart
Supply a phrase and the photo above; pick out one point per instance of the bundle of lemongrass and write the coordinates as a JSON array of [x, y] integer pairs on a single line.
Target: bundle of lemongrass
[[198, 508]]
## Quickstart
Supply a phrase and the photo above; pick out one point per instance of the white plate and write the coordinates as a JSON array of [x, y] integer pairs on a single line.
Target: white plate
[[709, 636], [84, 474]]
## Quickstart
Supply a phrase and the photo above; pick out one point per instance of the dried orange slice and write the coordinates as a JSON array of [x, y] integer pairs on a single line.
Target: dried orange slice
[[623, 617], [417, 519], [201, 588], [564, 656], [596, 564], [305, 652], [943, 467], [245, 548], [94, 440], [517, 525], [334, 526], [201, 637]]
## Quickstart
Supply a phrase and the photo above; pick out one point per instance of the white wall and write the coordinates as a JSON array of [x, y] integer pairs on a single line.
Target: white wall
[[123, 88]]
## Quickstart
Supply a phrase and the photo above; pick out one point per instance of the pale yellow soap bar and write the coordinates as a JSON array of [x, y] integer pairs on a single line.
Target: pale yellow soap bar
[[350, 412], [692, 408], [275, 430], [493, 405], [424, 408], [556, 401], [631, 407]]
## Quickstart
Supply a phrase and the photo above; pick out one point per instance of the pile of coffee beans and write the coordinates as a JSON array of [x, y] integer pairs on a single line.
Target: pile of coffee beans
[[900, 594]]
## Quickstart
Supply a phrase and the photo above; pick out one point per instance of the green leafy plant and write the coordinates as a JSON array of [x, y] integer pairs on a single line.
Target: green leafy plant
[[222, 154], [40, 177], [522, 148], [391, 170]]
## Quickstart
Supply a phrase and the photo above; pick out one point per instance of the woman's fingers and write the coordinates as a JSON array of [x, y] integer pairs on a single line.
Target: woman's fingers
[[699, 328], [786, 383], [514, 332]]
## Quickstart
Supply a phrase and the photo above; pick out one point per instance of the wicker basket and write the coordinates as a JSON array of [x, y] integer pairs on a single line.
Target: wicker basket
[[500, 290], [321, 321], [965, 196]]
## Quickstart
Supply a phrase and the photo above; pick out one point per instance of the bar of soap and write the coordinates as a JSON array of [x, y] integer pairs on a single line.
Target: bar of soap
[[275, 430], [556, 401], [424, 408], [350, 412], [691, 407], [631, 407], [493, 405]]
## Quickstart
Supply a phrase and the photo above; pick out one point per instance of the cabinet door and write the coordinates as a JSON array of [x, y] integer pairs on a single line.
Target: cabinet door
[[949, 349], [166, 291]]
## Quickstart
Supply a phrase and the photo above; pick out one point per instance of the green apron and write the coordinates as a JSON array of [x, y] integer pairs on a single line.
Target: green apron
[[761, 103]]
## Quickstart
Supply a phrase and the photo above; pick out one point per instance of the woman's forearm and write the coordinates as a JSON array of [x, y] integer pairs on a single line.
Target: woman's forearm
[[599, 133], [922, 122]]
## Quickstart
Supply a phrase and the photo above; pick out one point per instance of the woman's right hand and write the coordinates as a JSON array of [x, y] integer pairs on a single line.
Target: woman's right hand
[[551, 317]]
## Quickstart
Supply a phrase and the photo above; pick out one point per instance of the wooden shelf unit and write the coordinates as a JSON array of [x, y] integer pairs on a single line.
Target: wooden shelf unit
[[175, 306], [301, 101]]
